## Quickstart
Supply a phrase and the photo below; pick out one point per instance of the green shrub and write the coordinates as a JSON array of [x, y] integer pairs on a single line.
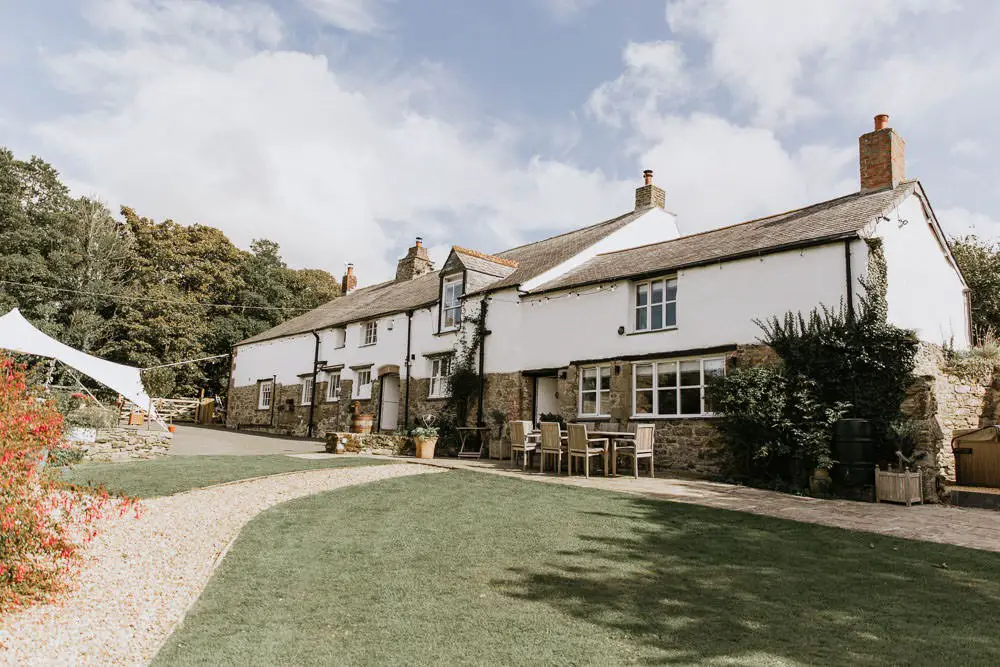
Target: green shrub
[[64, 456], [91, 415], [776, 428], [553, 417]]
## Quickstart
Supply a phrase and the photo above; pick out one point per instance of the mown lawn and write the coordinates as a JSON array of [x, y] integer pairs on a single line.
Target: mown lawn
[[173, 474], [465, 568]]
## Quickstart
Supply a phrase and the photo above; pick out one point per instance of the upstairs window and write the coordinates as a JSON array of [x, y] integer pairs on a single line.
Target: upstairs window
[[656, 304], [307, 390], [265, 389], [451, 303], [675, 388], [595, 391], [339, 338], [333, 386], [371, 333], [440, 377], [363, 385]]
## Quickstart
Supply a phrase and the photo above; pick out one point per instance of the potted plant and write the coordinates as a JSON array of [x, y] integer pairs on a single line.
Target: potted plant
[[425, 437]]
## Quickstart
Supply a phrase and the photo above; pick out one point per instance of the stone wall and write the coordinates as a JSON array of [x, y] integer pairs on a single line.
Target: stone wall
[[370, 443], [943, 400], [126, 444]]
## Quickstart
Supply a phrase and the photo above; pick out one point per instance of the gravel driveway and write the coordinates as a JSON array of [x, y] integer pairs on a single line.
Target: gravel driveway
[[140, 576]]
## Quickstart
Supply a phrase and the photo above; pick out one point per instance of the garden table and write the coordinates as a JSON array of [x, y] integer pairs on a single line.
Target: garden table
[[613, 437]]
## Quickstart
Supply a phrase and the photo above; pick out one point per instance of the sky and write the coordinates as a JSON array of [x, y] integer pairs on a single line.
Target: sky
[[342, 129]]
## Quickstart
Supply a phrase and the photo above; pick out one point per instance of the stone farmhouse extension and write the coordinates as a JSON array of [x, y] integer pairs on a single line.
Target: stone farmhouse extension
[[622, 321]]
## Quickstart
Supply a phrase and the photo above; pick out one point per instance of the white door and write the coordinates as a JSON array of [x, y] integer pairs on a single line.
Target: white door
[[546, 397], [390, 403]]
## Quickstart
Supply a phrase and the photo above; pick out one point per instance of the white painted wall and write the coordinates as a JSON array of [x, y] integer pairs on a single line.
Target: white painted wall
[[925, 291], [716, 306], [654, 226], [288, 358]]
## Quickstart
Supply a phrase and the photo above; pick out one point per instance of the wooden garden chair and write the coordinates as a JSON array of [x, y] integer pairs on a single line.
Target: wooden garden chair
[[582, 447], [522, 441], [551, 445], [639, 447]]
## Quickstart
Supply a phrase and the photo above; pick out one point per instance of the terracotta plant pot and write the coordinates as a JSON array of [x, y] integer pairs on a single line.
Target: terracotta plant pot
[[172, 428], [425, 447]]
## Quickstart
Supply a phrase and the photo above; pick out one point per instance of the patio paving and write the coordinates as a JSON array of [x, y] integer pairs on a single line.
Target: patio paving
[[973, 528]]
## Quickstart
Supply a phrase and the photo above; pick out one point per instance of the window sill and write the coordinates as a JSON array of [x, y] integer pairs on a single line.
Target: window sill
[[651, 331], [332, 400], [447, 332], [706, 415], [593, 418], [368, 344], [260, 409], [361, 398]]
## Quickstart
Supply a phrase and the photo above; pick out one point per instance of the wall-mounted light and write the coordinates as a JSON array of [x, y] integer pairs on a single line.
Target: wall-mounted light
[[621, 331]]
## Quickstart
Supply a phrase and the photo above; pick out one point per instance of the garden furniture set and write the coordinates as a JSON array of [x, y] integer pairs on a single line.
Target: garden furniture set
[[577, 444]]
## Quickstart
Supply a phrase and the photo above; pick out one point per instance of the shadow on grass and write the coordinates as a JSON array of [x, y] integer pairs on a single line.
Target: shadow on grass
[[698, 586]]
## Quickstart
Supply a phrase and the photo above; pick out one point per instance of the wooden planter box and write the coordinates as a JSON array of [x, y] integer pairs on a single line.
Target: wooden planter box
[[898, 487]]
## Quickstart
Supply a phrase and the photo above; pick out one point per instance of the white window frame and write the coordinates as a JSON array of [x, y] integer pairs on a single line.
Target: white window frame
[[333, 386], [455, 306], [440, 386], [654, 391], [360, 390], [369, 333], [308, 389], [339, 338], [602, 393], [647, 309], [262, 394]]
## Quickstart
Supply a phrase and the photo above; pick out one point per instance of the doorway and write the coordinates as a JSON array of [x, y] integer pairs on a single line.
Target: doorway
[[546, 396], [389, 406]]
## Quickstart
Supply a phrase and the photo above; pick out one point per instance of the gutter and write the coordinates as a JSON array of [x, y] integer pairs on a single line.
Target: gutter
[[773, 250], [850, 280], [312, 399]]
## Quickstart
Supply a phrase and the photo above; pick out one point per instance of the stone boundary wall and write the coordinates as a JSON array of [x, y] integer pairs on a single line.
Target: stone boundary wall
[[370, 443], [942, 400], [127, 444]]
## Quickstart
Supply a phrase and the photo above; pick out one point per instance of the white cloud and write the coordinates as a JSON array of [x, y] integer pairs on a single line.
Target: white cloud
[[360, 16], [265, 142], [960, 221], [654, 74], [567, 10], [969, 148]]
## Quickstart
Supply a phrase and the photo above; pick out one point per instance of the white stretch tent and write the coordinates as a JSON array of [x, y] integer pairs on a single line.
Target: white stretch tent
[[18, 334]]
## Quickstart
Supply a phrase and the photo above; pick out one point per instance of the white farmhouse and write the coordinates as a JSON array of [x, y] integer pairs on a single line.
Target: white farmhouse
[[621, 321]]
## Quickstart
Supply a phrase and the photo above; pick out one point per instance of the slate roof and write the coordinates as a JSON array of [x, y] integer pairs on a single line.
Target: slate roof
[[516, 266], [837, 218]]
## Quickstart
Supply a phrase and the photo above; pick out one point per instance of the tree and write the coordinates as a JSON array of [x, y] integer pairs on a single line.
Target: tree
[[979, 261]]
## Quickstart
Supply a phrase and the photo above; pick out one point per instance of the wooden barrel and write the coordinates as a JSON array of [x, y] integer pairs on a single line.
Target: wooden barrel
[[361, 423]]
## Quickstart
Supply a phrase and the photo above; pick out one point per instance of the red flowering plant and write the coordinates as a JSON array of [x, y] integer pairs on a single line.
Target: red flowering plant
[[43, 521]]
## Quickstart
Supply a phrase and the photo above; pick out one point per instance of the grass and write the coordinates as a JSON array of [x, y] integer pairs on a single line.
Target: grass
[[173, 474], [460, 568]]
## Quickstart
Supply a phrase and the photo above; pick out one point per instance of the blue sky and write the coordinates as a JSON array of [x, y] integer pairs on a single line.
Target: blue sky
[[344, 128]]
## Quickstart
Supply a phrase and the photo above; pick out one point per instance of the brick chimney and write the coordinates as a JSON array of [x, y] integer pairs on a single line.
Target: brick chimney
[[649, 195], [882, 157], [416, 263], [349, 282]]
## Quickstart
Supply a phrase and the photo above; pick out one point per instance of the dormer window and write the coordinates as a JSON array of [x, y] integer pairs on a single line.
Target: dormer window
[[451, 302]]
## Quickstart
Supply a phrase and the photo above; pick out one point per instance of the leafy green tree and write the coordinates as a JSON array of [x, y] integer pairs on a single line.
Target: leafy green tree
[[979, 260]]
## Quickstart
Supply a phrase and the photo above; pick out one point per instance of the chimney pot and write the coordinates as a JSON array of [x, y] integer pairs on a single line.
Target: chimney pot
[[420, 241], [647, 176], [881, 121]]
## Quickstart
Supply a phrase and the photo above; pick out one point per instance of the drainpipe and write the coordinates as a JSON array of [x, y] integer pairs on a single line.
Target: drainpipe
[[482, 358], [850, 280], [406, 403], [274, 395], [312, 399]]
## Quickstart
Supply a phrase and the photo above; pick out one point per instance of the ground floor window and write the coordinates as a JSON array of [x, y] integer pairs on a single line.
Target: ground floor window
[[675, 388], [265, 389], [595, 391], [333, 386], [440, 377], [363, 385], [307, 390]]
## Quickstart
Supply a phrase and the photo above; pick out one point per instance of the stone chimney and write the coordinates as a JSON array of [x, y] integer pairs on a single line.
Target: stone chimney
[[415, 264], [882, 157], [349, 282], [649, 195]]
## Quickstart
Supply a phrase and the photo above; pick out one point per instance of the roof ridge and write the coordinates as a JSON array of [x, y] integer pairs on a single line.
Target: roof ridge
[[567, 233], [751, 221], [482, 255]]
